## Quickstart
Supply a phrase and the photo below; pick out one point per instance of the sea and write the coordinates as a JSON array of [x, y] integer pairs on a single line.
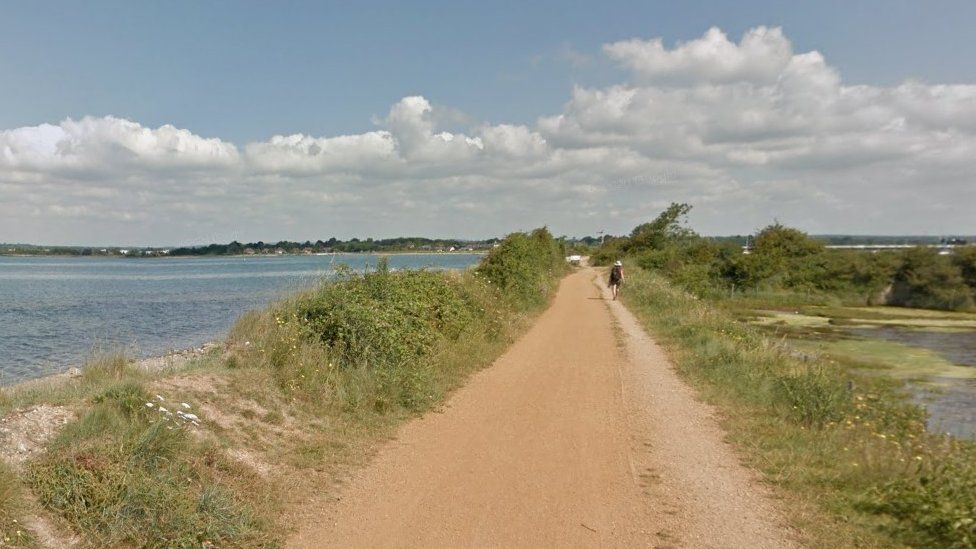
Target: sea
[[55, 312]]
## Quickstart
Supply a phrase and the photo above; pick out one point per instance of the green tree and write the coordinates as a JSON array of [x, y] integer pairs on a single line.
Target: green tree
[[965, 260], [930, 281], [781, 256], [779, 241], [666, 229]]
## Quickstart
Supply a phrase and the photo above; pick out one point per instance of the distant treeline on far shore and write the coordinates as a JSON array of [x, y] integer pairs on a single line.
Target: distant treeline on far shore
[[407, 244], [332, 245]]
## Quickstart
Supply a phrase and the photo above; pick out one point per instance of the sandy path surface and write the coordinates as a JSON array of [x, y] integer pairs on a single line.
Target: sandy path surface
[[580, 435]]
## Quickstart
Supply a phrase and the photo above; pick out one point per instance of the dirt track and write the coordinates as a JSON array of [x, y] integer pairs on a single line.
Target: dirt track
[[581, 435]]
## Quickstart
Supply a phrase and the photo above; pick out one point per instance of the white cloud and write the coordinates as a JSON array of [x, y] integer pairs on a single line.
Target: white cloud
[[761, 56], [109, 143], [746, 131], [307, 154]]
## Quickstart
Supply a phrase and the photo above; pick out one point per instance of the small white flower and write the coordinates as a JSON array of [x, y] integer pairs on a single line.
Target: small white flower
[[163, 410], [191, 417], [185, 405], [160, 398], [149, 405]]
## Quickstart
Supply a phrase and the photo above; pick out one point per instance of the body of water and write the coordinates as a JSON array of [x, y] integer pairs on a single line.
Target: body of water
[[951, 403], [54, 312], [958, 347]]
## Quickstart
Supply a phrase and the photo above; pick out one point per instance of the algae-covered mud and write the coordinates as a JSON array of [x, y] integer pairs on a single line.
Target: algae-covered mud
[[934, 352]]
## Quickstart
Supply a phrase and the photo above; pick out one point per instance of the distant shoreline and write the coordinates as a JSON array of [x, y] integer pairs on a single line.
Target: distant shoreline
[[211, 256]]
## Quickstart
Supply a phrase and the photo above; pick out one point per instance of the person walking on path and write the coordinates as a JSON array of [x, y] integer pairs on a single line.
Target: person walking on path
[[616, 278]]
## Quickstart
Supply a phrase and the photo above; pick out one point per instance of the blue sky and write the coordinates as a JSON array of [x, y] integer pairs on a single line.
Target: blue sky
[[247, 70], [185, 122]]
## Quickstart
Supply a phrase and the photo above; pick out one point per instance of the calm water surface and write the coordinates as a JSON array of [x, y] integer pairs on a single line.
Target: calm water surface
[[952, 405], [956, 347], [55, 311]]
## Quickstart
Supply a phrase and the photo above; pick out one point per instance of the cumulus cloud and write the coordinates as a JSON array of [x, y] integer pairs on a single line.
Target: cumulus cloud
[[761, 56], [747, 131], [107, 143]]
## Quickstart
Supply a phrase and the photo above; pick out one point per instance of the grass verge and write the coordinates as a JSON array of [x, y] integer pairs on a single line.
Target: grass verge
[[847, 450]]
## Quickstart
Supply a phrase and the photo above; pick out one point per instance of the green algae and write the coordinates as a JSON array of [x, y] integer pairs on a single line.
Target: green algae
[[897, 359]]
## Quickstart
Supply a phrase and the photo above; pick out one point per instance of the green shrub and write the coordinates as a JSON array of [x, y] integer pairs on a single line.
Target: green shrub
[[525, 267], [936, 506], [965, 260], [386, 341], [927, 280], [815, 397], [384, 320], [611, 249], [669, 227]]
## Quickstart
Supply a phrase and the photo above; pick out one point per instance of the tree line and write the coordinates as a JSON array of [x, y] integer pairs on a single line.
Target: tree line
[[783, 258], [353, 245]]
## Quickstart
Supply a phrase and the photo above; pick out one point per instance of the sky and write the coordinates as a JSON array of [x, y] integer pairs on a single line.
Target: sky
[[165, 123]]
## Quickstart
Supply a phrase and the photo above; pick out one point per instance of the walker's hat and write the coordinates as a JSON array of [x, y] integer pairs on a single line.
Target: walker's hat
[[618, 264]]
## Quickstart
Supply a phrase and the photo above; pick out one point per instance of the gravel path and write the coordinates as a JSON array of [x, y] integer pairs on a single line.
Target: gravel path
[[580, 435]]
